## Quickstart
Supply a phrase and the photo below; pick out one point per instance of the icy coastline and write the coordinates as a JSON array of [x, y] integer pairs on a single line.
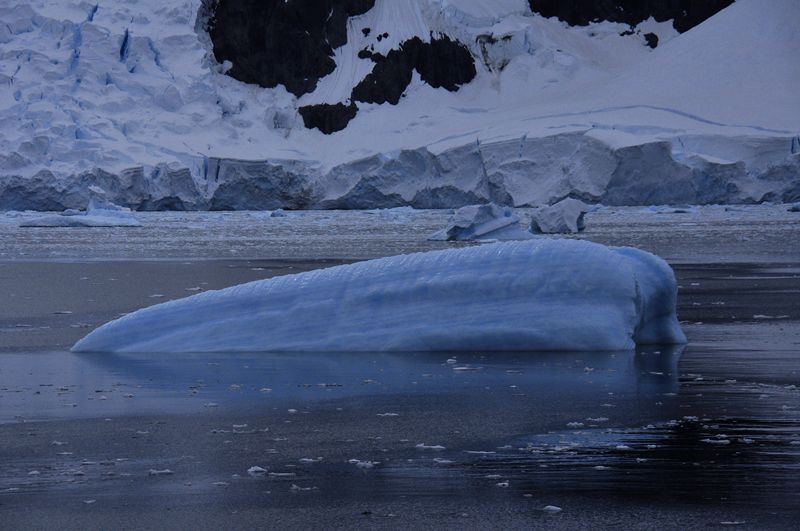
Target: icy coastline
[[519, 173], [546, 295], [137, 106]]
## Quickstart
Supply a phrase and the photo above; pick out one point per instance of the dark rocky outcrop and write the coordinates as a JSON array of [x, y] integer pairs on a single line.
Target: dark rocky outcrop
[[328, 118], [274, 42], [685, 14], [651, 39], [440, 63]]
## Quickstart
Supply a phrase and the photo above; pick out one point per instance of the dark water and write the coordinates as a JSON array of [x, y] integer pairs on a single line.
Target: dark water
[[671, 437]]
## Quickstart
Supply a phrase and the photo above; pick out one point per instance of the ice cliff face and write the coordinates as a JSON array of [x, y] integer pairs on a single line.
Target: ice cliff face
[[366, 103]]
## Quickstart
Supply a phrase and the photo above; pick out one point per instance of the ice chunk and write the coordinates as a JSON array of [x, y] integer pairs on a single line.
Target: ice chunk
[[540, 294], [475, 222], [564, 217], [99, 213], [795, 207]]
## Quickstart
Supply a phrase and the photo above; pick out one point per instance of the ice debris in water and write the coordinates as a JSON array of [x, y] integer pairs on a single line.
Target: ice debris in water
[[481, 222], [256, 471], [99, 213], [564, 217], [541, 294], [551, 509]]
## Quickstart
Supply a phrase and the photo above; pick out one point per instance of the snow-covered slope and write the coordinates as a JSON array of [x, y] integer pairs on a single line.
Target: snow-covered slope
[[128, 98], [535, 295]]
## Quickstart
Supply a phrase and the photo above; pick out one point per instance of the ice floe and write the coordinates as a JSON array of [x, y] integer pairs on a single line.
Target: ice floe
[[542, 294]]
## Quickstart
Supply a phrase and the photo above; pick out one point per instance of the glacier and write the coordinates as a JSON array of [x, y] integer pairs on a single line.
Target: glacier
[[131, 99], [536, 295]]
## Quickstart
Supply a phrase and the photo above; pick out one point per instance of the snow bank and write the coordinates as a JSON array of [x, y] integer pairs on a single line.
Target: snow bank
[[481, 222], [532, 295], [98, 213], [564, 217]]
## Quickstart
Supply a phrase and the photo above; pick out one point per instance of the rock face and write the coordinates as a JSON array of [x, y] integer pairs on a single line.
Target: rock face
[[326, 117], [685, 14], [274, 42], [440, 63]]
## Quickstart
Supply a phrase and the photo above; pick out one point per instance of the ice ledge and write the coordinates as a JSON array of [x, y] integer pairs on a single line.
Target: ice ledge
[[690, 169]]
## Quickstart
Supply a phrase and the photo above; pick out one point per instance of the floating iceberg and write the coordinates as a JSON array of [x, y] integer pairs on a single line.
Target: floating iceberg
[[564, 217], [98, 213], [481, 222], [514, 296]]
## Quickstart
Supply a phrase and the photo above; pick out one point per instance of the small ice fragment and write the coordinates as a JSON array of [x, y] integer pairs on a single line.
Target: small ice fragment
[[89, 502], [451, 361], [256, 471], [436, 447], [163, 472], [440, 461], [551, 509], [363, 464], [502, 484], [388, 414]]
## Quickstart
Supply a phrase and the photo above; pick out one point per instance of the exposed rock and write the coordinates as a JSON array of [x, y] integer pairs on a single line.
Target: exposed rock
[[685, 14], [274, 42], [564, 217], [440, 63], [328, 118]]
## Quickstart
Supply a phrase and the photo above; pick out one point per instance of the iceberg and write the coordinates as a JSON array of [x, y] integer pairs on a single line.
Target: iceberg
[[99, 213], [534, 295], [476, 222], [564, 217]]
